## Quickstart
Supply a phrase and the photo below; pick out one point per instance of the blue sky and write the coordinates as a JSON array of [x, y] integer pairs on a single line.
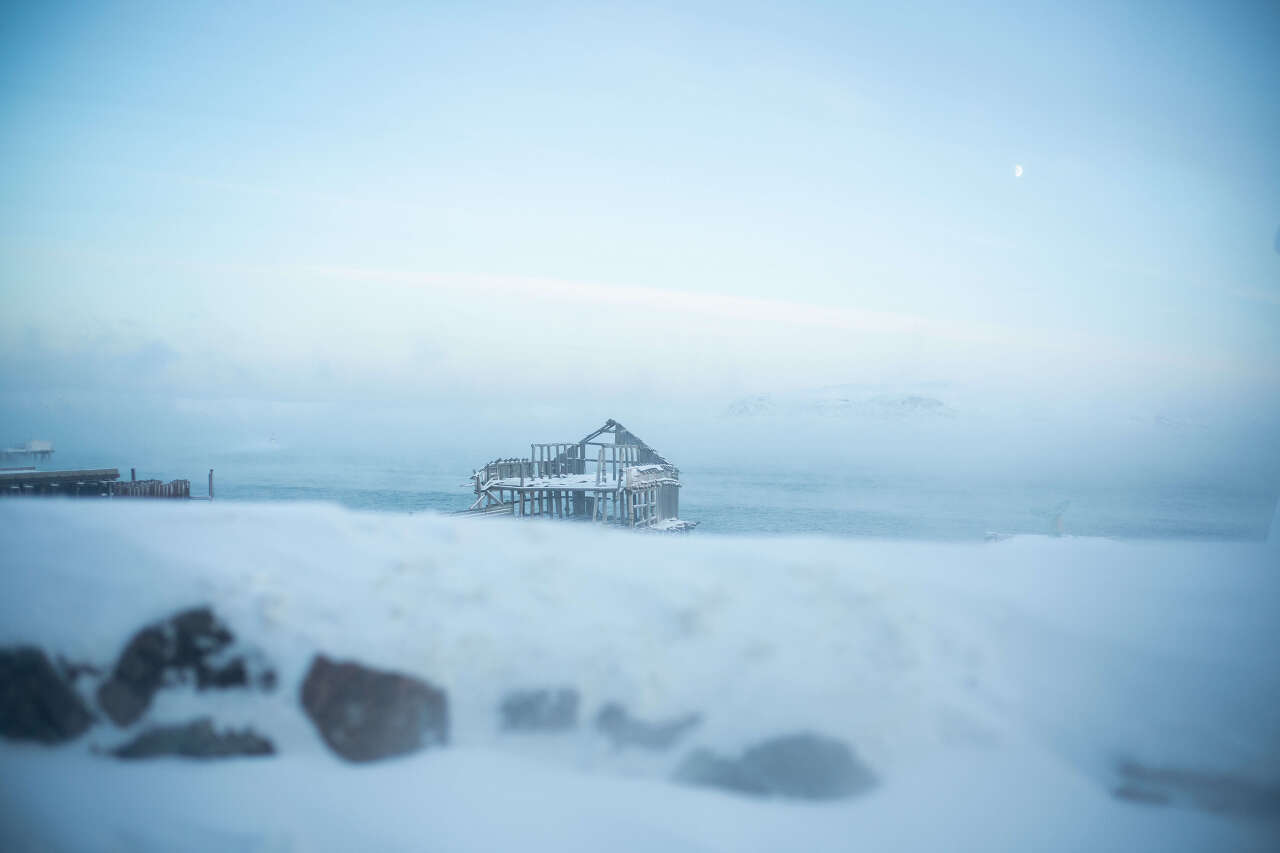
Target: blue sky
[[306, 201]]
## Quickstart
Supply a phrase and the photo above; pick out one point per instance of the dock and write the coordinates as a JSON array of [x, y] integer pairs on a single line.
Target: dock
[[34, 450], [91, 483], [610, 476]]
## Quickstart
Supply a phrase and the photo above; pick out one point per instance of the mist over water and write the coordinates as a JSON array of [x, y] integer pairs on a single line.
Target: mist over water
[[959, 476]]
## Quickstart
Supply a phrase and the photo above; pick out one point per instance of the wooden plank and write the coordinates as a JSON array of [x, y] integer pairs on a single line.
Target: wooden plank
[[99, 474]]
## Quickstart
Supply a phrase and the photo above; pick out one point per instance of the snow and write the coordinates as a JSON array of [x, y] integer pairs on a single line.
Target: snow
[[568, 481], [993, 688], [672, 524], [635, 475]]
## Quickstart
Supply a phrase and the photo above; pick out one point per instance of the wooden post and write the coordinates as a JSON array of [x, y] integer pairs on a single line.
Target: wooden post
[[210, 484]]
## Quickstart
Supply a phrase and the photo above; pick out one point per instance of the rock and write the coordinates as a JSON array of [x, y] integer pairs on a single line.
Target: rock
[[809, 766], [1145, 796], [704, 768], [540, 709], [365, 714], [624, 730], [801, 766], [36, 703], [1212, 791], [191, 645], [196, 739]]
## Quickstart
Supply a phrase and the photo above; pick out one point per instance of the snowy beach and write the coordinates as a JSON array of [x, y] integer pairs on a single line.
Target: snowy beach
[[1032, 693]]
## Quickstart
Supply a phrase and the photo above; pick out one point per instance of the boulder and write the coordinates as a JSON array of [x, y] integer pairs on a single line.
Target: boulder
[[540, 709], [192, 645], [704, 768], [801, 766], [1212, 791], [615, 723], [365, 714], [36, 702], [196, 739]]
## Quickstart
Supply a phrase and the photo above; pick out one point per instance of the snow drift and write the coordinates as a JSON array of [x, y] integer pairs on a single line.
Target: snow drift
[[1026, 694]]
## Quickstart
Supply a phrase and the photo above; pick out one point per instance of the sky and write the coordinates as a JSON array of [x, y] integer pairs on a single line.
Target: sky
[[487, 205]]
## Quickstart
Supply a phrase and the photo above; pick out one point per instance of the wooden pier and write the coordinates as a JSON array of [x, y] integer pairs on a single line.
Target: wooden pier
[[35, 450], [609, 476], [91, 483]]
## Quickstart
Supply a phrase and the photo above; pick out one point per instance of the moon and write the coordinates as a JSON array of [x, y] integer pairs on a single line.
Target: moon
[[1017, 171]]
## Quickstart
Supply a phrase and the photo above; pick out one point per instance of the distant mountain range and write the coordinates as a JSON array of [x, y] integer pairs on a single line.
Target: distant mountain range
[[841, 401]]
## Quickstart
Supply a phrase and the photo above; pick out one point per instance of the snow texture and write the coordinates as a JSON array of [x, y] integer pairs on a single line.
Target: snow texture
[[994, 689]]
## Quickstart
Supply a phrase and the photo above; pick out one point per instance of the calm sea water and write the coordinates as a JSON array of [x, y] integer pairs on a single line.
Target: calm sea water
[[843, 502]]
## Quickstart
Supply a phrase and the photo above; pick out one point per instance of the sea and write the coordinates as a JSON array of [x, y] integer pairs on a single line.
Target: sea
[[847, 500]]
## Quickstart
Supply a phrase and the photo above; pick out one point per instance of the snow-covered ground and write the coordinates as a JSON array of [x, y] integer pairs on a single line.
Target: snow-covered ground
[[994, 689]]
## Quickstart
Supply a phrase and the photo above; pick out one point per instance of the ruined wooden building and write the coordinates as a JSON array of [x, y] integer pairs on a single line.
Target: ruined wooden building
[[609, 476]]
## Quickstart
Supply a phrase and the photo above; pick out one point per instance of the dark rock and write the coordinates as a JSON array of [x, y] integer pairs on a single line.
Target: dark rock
[[1223, 793], [704, 768], [196, 739], [197, 634], [234, 674], [36, 703], [625, 730], [802, 766], [190, 645], [1146, 796], [809, 766], [540, 709], [137, 676], [366, 714]]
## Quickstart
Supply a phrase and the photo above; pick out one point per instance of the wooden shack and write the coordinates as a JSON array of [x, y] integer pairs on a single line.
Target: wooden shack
[[609, 476]]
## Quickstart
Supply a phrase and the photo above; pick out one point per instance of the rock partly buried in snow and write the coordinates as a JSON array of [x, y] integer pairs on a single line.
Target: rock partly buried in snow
[[1223, 793], [802, 766], [704, 768], [191, 644], [36, 703], [540, 709], [366, 714], [625, 730], [196, 739]]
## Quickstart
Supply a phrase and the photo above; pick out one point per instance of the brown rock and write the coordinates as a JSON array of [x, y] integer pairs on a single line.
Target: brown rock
[[365, 714]]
